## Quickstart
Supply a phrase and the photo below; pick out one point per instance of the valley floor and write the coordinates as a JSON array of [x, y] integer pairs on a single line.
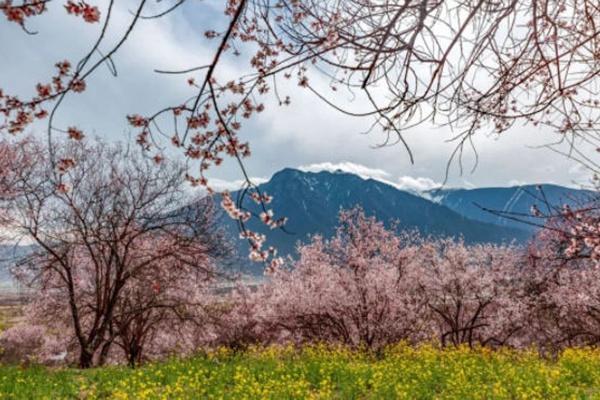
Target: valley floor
[[323, 373]]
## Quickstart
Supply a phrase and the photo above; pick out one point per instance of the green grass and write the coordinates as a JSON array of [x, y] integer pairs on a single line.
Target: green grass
[[320, 372]]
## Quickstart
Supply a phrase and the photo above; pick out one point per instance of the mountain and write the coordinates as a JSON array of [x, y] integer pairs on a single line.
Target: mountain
[[312, 200], [511, 200]]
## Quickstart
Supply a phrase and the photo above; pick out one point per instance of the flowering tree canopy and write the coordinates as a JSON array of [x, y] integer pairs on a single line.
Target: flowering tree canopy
[[116, 251], [366, 287]]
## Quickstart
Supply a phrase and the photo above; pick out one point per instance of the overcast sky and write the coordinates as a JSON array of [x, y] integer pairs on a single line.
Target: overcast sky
[[306, 134]]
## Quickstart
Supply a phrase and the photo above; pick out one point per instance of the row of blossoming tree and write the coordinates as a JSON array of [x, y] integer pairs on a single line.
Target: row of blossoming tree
[[370, 286], [124, 270]]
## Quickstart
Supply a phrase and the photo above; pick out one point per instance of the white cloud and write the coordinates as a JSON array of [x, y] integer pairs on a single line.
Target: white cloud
[[419, 184], [346, 166], [407, 183], [221, 185], [305, 133], [517, 182]]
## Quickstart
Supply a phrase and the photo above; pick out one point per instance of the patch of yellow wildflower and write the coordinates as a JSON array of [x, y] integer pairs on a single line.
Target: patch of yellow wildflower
[[325, 372]]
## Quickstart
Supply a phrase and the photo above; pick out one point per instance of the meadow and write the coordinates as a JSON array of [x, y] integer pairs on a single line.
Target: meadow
[[323, 372]]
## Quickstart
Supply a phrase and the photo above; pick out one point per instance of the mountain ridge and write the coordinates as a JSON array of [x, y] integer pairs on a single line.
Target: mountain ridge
[[312, 200], [509, 200]]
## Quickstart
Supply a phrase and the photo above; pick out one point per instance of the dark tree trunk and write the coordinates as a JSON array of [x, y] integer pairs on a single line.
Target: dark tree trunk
[[104, 353], [85, 359], [134, 355]]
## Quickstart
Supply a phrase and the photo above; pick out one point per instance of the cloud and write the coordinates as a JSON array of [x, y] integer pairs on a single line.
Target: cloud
[[221, 185], [346, 166], [305, 133], [407, 183], [419, 184]]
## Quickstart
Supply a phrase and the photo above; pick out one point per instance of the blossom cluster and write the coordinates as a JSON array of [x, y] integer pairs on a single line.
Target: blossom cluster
[[20, 114], [19, 13], [90, 14]]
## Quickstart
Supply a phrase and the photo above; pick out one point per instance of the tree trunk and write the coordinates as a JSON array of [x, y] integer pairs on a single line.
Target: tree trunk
[[104, 353], [85, 359], [134, 355]]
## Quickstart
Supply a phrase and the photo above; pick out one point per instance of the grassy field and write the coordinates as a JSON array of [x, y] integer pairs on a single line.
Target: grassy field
[[323, 373]]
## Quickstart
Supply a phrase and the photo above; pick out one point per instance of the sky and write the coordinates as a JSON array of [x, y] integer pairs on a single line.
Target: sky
[[307, 134]]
